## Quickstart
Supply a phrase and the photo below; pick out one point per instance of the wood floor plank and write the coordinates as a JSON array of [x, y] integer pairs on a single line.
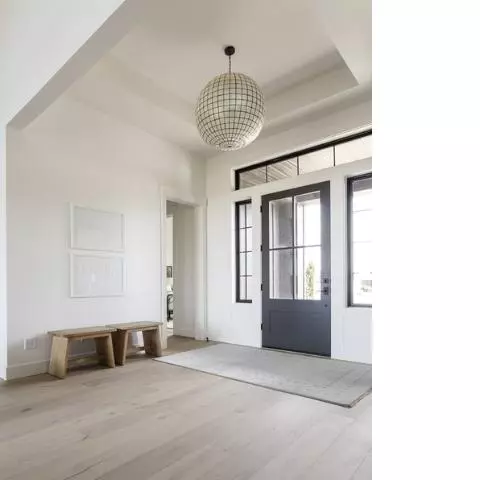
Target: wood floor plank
[[342, 459], [364, 471], [153, 421], [299, 457]]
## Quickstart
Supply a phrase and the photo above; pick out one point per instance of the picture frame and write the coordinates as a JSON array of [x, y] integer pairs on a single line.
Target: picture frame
[[96, 230], [97, 275]]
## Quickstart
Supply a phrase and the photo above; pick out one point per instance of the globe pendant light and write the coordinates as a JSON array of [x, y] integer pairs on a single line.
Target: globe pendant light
[[230, 109]]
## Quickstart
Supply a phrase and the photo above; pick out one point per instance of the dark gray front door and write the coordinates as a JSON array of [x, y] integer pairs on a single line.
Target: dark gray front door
[[296, 269]]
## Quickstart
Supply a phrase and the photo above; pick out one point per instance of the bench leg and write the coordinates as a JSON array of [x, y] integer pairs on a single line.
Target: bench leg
[[152, 342], [59, 357], [105, 351], [163, 336], [120, 344]]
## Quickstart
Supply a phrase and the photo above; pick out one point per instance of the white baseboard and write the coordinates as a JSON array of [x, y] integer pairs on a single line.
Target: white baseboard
[[183, 333], [29, 369], [26, 369]]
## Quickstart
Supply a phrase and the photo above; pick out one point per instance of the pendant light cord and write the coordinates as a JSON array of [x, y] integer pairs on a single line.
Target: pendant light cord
[[229, 51]]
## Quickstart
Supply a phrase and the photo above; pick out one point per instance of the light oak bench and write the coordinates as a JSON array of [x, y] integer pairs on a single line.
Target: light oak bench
[[61, 340], [151, 339]]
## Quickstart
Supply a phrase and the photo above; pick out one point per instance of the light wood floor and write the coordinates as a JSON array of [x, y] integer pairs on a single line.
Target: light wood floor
[[149, 420]]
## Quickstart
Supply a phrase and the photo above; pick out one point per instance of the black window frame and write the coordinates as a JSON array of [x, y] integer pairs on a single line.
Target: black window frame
[[297, 154], [239, 231], [350, 181]]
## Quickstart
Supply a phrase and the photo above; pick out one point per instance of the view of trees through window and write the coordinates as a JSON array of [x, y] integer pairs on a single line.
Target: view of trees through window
[[296, 247]]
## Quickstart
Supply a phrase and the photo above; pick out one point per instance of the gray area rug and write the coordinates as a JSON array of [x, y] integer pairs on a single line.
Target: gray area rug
[[333, 381]]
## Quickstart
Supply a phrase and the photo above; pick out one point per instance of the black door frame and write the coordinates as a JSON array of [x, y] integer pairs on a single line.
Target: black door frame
[[324, 304]]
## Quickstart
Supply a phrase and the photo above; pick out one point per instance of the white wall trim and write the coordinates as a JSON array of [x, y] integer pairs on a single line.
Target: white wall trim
[[26, 369], [199, 228], [29, 369], [201, 329], [163, 255]]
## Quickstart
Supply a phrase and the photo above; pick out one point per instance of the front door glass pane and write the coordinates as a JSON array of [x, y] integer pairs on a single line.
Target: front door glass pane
[[281, 273], [295, 248], [281, 225], [308, 268], [308, 219]]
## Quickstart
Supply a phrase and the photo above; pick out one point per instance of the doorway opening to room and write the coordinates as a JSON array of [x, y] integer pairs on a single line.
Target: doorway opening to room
[[169, 270], [182, 264], [296, 310]]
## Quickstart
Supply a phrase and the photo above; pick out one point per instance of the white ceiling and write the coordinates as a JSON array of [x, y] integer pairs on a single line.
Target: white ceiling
[[183, 52], [153, 76]]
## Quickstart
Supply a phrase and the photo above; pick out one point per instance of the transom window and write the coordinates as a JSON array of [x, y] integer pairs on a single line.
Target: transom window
[[341, 151]]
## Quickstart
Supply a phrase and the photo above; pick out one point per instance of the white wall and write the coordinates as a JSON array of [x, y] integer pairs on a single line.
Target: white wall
[[75, 154], [44, 46], [239, 322], [39, 37], [3, 254]]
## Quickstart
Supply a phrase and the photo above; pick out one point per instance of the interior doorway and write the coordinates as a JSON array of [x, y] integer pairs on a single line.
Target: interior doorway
[[169, 270], [181, 269]]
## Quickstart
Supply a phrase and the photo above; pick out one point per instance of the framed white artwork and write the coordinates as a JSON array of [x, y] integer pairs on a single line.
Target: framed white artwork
[[96, 230], [97, 275]]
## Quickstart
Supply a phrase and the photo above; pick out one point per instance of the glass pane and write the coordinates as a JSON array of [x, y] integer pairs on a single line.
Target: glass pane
[[362, 184], [284, 169], [249, 264], [354, 150], [281, 271], [248, 208], [242, 284], [248, 232], [254, 177], [241, 237], [362, 257], [316, 161], [249, 287], [242, 264], [308, 268], [362, 247], [362, 288], [241, 215], [308, 219], [281, 223], [362, 200], [362, 225]]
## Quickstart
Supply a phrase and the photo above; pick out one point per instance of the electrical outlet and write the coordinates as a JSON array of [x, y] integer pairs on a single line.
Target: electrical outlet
[[30, 343]]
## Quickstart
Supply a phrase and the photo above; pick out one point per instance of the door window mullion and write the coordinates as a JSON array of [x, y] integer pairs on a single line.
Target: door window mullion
[[294, 237]]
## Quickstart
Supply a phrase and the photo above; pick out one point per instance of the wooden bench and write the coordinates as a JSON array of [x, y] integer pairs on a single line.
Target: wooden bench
[[61, 340], [151, 339]]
